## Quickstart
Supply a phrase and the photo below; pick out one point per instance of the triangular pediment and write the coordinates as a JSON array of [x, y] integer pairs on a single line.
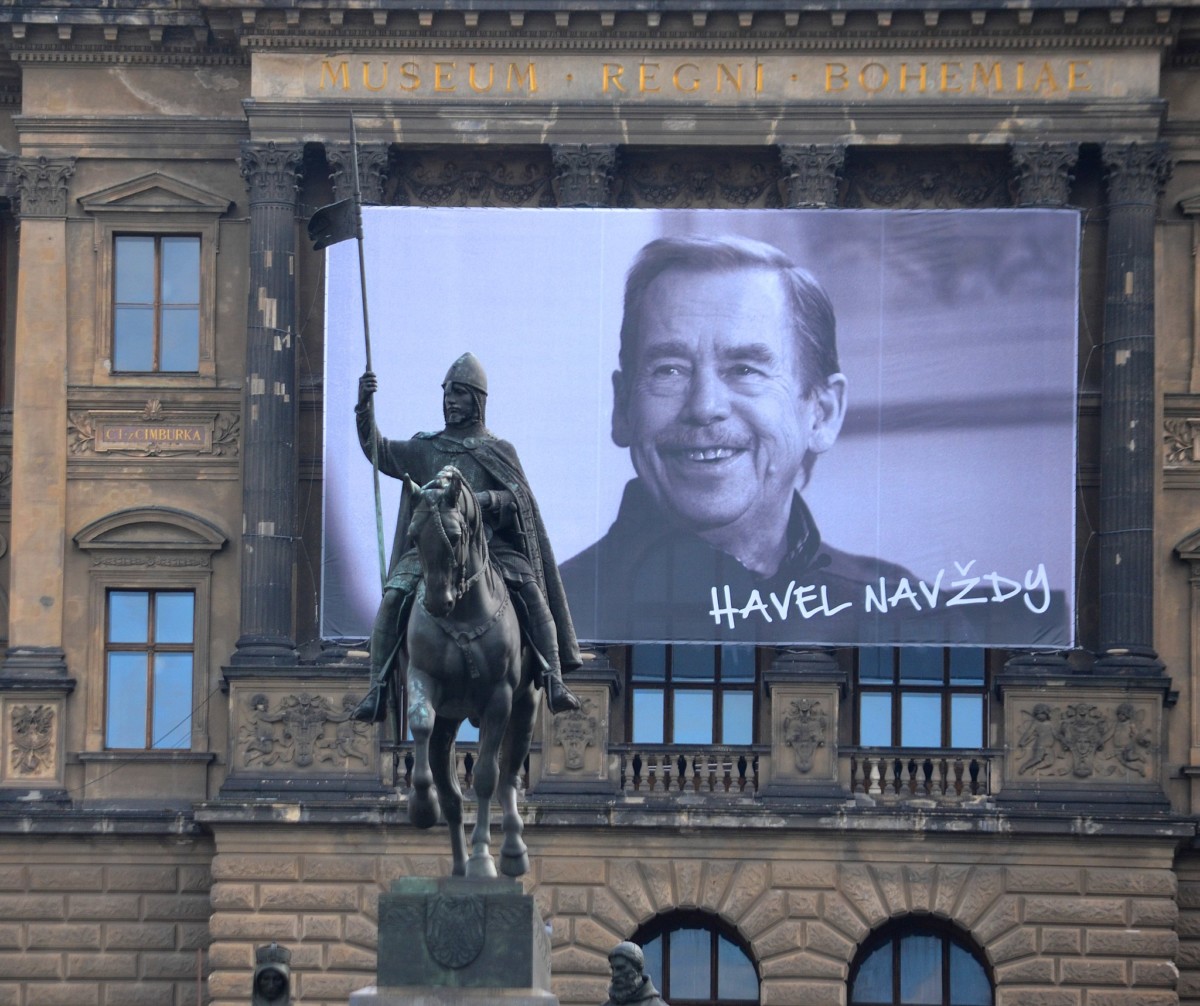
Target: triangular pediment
[[155, 193]]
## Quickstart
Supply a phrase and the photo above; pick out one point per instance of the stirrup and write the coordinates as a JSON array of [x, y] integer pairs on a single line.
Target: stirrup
[[373, 707]]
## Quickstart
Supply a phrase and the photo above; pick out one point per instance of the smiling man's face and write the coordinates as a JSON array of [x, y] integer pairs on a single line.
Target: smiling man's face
[[715, 411]]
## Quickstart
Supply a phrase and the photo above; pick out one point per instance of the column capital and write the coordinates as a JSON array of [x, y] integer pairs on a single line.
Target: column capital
[[271, 170], [41, 185], [584, 173], [811, 174], [1136, 172], [1043, 172], [373, 163]]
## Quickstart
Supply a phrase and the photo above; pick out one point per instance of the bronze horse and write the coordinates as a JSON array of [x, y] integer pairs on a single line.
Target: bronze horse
[[465, 661]]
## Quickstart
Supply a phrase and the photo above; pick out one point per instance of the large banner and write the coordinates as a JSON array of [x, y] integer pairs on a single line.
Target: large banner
[[788, 427]]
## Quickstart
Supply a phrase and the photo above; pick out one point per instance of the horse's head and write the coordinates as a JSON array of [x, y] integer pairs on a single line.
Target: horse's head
[[448, 532]]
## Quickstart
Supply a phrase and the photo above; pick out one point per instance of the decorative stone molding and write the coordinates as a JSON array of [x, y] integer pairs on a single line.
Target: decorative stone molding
[[1137, 172], [474, 178], [31, 739], [574, 756], [42, 185], [1043, 172], [805, 689], [812, 174], [154, 432], [271, 171], [907, 179], [715, 179], [374, 162], [584, 173]]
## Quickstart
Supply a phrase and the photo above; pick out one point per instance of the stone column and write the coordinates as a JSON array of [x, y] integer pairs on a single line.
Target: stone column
[[1129, 448], [39, 473], [373, 160], [1043, 172], [811, 174], [269, 417], [584, 173]]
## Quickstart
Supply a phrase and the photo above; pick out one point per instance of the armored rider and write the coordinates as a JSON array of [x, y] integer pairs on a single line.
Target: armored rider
[[518, 542]]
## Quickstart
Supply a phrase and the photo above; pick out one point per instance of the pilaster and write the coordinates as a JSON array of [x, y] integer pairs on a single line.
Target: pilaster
[[1043, 172], [270, 465], [805, 688], [584, 173], [812, 173]]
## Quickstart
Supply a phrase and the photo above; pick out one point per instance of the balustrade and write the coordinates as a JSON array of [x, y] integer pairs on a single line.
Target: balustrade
[[919, 773]]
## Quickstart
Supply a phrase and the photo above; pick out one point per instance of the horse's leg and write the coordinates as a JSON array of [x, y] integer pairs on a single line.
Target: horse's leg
[[491, 733], [514, 856], [445, 779], [423, 809]]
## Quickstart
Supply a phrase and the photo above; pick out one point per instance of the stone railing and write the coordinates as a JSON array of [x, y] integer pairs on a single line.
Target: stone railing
[[920, 773], [666, 769]]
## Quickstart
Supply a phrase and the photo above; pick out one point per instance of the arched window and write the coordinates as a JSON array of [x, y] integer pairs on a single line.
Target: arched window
[[696, 960], [919, 962]]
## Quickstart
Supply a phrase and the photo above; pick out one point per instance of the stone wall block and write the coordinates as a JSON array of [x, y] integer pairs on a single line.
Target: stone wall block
[[1080, 911], [62, 994], [1133, 943], [330, 986], [1131, 997], [311, 955], [104, 907], [659, 886], [260, 928], [807, 993], [321, 927], [564, 870], [785, 938], [614, 914], [192, 936], [1189, 955], [1061, 941], [344, 958], [1043, 879], [1150, 973], [920, 881], [857, 884], [233, 897], [576, 960], [228, 985], [25, 965], [575, 989], [804, 875], [803, 904], [982, 888], [240, 866], [560, 930], [66, 878], [357, 868], [1004, 915], [231, 957], [168, 965], [571, 901], [803, 964], [1154, 883], [16, 878], [10, 994], [837, 912], [143, 878], [890, 881], [192, 907], [196, 877], [717, 877], [1188, 987], [687, 874], [823, 939], [59, 936], [140, 936], [1034, 970], [1092, 971], [33, 906], [769, 911], [1010, 947], [149, 994], [1153, 912], [948, 889], [1026, 996], [543, 898], [627, 882], [307, 897], [361, 932], [12, 936], [748, 886], [593, 936]]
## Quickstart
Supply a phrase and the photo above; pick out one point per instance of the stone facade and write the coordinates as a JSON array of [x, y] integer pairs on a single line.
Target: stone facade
[[1064, 848]]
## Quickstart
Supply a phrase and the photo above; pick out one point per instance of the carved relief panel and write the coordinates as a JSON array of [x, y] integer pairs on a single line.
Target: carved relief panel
[[31, 740], [804, 747], [574, 754]]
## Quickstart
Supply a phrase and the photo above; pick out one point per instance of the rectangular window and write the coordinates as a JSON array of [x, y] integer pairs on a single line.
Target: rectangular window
[[149, 658], [695, 695], [156, 303]]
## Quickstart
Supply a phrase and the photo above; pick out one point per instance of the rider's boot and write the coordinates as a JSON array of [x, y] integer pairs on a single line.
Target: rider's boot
[[374, 706], [544, 636]]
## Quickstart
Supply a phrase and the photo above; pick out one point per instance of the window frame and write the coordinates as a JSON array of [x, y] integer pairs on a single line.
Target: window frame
[[668, 685], [157, 305], [893, 932], [944, 689], [662, 926]]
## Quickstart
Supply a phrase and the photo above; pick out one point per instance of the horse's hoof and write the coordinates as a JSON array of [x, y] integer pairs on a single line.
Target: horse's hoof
[[514, 866], [423, 810], [481, 866]]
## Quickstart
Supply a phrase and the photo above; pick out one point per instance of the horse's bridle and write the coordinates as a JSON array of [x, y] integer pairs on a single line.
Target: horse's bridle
[[463, 582]]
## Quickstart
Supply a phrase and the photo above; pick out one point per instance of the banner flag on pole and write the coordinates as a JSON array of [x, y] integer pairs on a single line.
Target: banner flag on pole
[[333, 223]]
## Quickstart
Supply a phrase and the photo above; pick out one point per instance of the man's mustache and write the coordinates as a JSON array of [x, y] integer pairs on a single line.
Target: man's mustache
[[699, 440]]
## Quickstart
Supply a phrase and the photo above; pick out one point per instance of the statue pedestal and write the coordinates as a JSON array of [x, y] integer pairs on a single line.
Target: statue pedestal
[[459, 942]]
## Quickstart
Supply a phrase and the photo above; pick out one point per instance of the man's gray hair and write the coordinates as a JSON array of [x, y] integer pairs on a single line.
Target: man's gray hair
[[813, 320], [630, 951]]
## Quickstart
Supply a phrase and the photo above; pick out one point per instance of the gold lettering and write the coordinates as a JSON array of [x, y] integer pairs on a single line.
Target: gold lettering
[[530, 79], [724, 73], [839, 75], [410, 72], [1045, 81], [367, 76], [758, 78], [694, 84], [441, 76], [342, 72], [922, 77], [1021, 75], [950, 83], [873, 71], [1077, 71], [474, 84], [612, 74], [985, 78], [645, 79]]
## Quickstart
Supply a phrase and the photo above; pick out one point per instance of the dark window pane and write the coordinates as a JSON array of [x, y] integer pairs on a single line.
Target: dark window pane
[[875, 720], [969, 985], [921, 970], [737, 663], [180, 339], [134, 270], [735, 974], [875, 664], [126, 720], [737, 718], [649, 662], [181, 270], [921, 664], [174, 617], [128, 616], [966, 721], [920, 720], [133, 339], [691, 964], [873, 983], [966, 666], [693, 663], [652, 952], [648, 716], [171, 721], [693, 717]]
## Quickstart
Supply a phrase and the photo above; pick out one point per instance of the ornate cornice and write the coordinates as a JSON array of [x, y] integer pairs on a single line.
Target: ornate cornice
[[42, 185], [1043, 172], [812, 172], [1136, 172], [583, 173], [271, 171], [108, 55]]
